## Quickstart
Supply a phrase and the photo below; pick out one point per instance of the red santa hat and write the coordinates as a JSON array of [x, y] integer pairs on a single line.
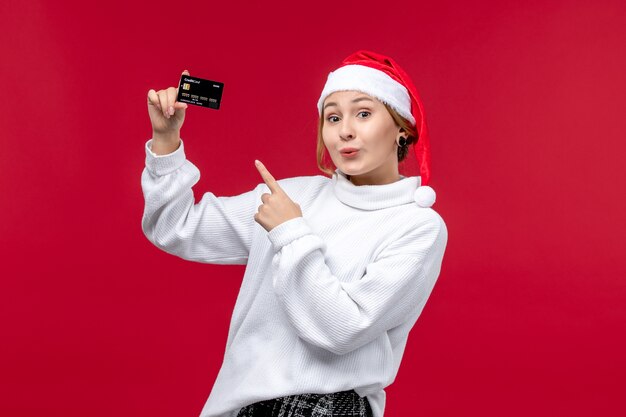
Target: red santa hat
[[381, 77]]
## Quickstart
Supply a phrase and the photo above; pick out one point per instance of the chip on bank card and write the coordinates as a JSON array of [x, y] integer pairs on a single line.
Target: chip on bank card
[[201, 92]]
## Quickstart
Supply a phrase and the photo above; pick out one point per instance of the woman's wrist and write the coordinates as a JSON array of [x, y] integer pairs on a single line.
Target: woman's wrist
[[165, 143]]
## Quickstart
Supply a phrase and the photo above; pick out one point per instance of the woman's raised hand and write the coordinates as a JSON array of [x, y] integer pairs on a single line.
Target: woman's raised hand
[[167, 116]]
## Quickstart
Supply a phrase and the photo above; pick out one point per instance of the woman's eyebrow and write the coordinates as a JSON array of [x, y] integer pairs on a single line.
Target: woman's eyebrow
[[356, 100]]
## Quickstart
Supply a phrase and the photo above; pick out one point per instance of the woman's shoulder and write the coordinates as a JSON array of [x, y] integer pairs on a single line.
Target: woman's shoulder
[[416, 217], [421, 222], [305, 179], [304, 184]]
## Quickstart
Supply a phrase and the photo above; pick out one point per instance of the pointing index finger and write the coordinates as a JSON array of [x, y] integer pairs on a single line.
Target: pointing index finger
[[267, 177]]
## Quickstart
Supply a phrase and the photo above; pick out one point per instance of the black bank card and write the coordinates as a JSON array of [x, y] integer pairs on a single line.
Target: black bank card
[[201, 92]]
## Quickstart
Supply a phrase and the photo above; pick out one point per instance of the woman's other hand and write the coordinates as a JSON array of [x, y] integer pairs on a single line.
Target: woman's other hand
[[277, 207]]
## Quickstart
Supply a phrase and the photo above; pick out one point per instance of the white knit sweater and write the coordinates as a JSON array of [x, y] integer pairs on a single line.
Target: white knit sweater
[[327, 299]]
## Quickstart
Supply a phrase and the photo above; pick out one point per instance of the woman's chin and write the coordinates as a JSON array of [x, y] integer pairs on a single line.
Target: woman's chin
[[349, 169]]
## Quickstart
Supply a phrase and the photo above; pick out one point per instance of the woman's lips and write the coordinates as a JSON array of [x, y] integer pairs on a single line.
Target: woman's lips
[[349, 153]]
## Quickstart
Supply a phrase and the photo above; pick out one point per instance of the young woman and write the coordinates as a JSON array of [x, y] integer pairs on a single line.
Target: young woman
[[338, 268]]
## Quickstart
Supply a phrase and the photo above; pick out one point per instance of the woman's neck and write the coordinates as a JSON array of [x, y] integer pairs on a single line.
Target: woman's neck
[[369, 181]]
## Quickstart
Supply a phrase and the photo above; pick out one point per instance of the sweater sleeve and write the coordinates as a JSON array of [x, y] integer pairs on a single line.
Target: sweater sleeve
[[343, 316], [217, 230]]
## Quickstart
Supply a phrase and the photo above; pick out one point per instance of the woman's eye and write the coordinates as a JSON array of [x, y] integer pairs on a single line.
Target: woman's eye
[[366, 112], [332, 119]]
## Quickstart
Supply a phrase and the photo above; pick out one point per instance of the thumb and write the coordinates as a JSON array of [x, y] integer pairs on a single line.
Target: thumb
[[178, 104], [185, 72]]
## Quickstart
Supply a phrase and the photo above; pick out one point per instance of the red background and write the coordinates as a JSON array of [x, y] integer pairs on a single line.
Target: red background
[[525, 103]]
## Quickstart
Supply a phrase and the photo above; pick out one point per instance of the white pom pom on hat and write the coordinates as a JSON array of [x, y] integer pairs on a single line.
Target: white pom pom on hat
[[425, 196]]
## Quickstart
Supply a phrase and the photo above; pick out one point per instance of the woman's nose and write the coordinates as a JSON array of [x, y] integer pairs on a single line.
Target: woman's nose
[[347, 131]]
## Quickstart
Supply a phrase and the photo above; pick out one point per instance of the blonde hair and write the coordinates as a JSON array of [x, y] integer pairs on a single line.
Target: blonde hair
[[325, 163]]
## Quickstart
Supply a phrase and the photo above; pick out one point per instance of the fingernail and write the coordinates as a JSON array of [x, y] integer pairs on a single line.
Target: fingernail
[[171, 111]]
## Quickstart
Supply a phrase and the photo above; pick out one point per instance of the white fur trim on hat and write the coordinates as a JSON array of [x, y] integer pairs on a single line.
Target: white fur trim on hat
[[372, 82], [425, 196]]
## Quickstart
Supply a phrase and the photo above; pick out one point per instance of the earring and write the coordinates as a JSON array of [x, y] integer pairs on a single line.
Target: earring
[[402, 142]]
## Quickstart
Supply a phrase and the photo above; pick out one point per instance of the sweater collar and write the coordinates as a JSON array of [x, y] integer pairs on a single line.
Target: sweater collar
[[374, 197]]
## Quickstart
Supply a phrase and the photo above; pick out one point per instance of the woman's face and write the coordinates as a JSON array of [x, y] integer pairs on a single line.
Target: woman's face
[[357, 122]]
